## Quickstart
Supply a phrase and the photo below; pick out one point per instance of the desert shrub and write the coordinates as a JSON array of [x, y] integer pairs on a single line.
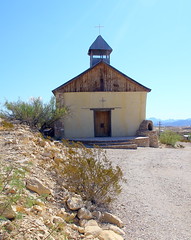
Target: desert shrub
[[169, 137], [88, 172], [34, 112], [11, 186], [5, 125], [12, 192]]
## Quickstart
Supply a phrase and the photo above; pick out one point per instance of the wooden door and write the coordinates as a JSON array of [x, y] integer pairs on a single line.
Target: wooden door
[[102, 123]]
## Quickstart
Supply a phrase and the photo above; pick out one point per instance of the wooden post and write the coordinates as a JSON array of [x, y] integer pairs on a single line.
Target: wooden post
[[159, 124]]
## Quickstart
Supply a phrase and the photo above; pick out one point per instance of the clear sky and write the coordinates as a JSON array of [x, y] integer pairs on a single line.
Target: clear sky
[[44, 43]]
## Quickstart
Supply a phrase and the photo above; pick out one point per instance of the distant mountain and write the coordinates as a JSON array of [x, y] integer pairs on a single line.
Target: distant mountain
[[171, 122]]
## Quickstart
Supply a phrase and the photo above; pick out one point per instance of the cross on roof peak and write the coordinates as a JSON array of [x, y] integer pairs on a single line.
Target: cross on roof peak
[[99, 26]]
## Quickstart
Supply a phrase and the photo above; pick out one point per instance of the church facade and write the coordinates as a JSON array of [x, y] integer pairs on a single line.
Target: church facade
[[102, 101]]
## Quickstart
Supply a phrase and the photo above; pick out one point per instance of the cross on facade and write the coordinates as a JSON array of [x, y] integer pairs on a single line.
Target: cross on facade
[[102, 101], [99, 26]]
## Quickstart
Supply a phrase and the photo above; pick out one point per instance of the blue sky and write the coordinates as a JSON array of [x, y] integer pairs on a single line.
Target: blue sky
[[44, 43]]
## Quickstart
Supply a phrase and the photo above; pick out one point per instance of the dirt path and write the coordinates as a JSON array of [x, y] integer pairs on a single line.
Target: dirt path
[[156, 200]]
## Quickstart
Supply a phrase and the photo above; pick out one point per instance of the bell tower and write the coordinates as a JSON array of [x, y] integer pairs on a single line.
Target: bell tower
[[99, 51]]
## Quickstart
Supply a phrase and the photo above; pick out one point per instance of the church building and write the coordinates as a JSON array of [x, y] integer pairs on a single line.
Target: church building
[[102, 101]]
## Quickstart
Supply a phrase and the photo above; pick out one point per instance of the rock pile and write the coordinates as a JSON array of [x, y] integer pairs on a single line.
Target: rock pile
[[45, 209]]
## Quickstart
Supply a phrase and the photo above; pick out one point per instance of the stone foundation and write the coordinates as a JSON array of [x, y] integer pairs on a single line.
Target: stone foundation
[[142, 141]]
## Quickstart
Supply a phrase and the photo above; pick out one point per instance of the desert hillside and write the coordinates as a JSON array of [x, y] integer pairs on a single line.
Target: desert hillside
[[34, 203]]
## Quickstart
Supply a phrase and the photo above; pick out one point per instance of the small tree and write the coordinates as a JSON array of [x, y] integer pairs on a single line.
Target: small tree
[[34, 112], [88, 172]]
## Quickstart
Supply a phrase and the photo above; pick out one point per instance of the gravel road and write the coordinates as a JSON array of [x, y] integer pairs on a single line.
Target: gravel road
[[155, 203]]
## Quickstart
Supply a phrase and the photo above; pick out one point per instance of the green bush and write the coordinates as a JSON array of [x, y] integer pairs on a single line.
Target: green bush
[[169, 137], [34, 112], [88, 172]]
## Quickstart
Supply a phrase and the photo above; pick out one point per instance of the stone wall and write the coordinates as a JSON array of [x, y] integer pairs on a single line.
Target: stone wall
[[58, 129], [142, 141]]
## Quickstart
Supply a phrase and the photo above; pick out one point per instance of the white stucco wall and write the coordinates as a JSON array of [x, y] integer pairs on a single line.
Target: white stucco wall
[[129, 111]]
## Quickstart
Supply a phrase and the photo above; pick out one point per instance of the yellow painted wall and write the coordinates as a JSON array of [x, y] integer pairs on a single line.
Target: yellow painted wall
[[129, 111]]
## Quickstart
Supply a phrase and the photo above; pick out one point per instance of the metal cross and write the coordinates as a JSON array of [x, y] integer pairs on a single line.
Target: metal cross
[[102, 101], [99, 27]]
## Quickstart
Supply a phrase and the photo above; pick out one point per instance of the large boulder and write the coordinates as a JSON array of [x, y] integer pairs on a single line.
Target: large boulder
[[75, 202], [84, 213], [116, 230], [110, 218], [36, 186]]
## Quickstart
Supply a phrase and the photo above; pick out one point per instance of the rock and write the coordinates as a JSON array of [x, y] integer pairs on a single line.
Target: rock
[[81, 230], [109, 235], [92, 230], [10, 190], [97, 214], [41, 142], [91, 207], [66, 216], [39, 203], [21, 209], [7, 211], [84, 213], [25, 140], [91, 223], [47, 154], [110, 218], [75, 227], [7, 225], [58, 158], [11, 141], [116, 230], [50, 151], [83, 222], [58, 221], [38, 210], [36, 186], [90, 237], [75, 203]]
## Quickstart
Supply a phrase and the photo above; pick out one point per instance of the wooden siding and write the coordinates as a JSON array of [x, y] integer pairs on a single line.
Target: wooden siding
[[102, 77]]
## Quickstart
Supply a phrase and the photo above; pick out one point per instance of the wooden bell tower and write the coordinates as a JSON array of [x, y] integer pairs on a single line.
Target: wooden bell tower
[[99, 51]]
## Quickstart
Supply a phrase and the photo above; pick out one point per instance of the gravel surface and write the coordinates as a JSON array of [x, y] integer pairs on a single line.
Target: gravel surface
[[155, 203]]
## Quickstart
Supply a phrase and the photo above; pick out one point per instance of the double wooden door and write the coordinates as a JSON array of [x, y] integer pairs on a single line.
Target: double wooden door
[[102, 123]]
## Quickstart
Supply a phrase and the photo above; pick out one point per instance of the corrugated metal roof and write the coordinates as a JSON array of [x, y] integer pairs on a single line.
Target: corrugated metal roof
[[100, 44]]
